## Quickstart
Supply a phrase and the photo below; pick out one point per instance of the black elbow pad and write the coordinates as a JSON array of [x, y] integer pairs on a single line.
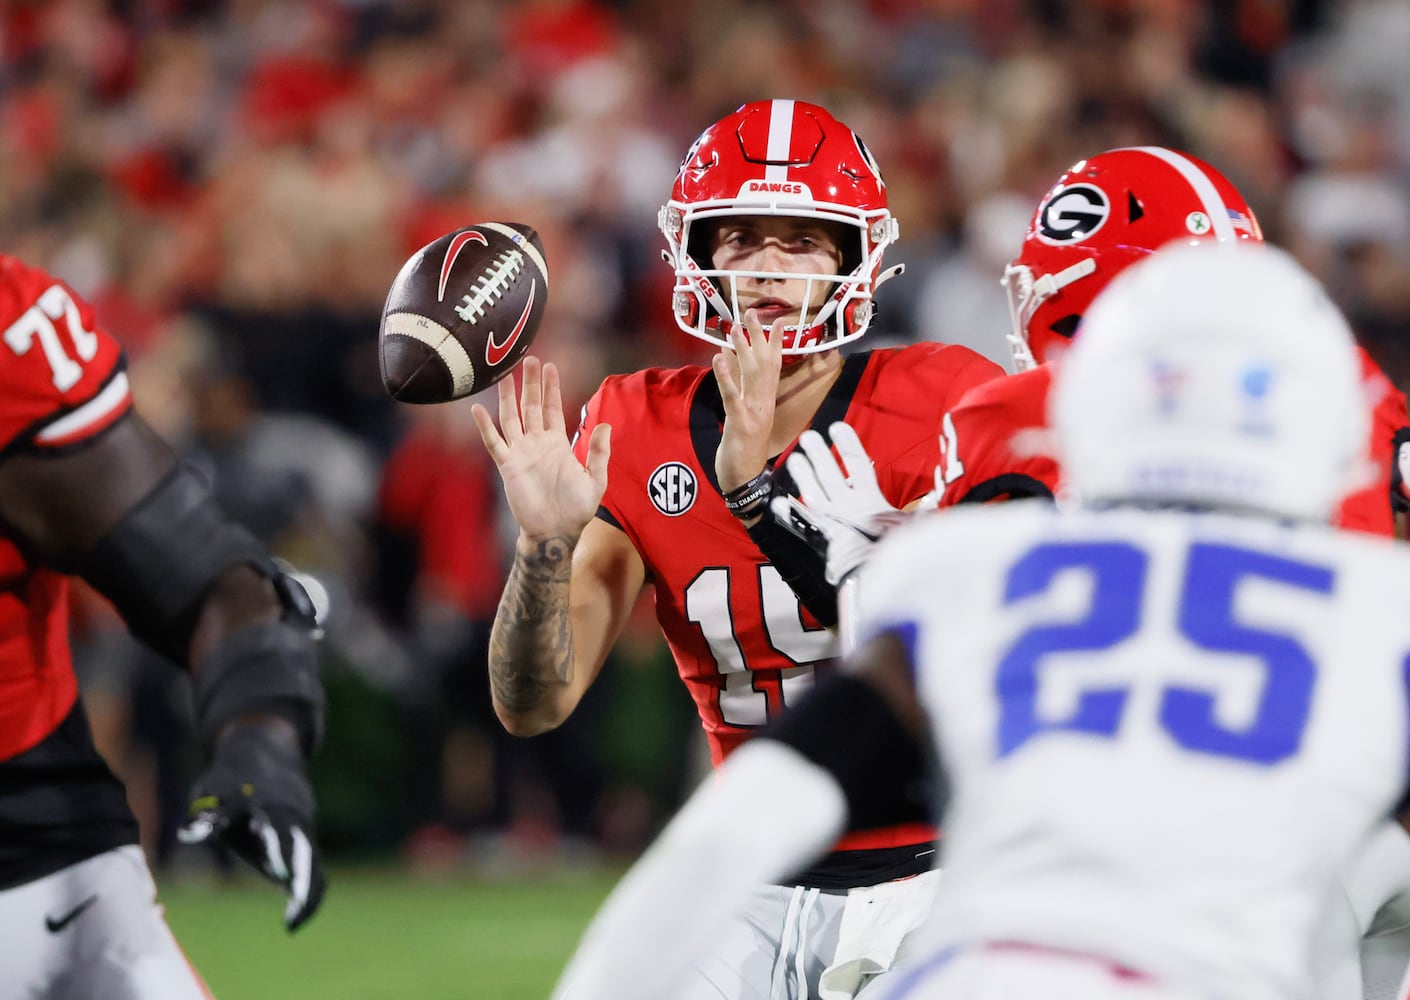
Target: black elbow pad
[[157, 563], [270, 667]]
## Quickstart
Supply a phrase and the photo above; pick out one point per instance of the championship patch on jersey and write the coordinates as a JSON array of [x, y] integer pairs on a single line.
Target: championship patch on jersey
[[672, 488]]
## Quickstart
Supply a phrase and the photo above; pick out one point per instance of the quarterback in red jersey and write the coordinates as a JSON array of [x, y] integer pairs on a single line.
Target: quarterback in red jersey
[[86, 487], [776, 228]]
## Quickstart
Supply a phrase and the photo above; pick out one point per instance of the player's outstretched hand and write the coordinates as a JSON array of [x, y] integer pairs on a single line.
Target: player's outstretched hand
[[844, 506], [548, 490], [256, 800], [748, 380]]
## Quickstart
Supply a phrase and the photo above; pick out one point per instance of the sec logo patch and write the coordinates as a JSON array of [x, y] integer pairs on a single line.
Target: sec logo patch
[[672, 488]]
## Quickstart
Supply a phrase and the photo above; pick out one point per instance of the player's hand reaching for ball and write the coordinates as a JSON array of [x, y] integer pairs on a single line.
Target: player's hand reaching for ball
[[549, 492]]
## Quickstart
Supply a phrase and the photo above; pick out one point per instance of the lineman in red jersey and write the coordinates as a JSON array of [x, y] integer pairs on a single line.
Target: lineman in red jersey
[[776, 227], [1101, 216], [86, 487], [994, 447]]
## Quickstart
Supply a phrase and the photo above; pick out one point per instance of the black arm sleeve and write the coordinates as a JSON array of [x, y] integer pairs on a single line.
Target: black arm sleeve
[[158, 562], [802, 567], [846, 727]]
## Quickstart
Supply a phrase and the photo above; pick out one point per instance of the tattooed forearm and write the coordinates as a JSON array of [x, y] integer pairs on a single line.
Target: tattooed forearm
[[531, 644]]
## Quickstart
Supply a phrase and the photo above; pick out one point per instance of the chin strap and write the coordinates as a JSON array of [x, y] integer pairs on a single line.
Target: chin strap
[[886, 275], [1037, 291], [1051, 284]]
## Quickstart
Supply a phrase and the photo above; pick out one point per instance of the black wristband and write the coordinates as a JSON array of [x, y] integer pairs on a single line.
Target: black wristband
[[751, 498]]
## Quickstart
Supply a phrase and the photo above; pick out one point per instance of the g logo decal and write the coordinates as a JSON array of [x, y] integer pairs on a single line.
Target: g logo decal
[[1073, 214]]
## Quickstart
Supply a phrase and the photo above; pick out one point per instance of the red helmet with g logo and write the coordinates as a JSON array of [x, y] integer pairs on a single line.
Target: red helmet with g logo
[[783, 158], [1101, 216]]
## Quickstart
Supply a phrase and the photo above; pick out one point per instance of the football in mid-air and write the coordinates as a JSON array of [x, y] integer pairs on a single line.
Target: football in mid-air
[[462, 312]]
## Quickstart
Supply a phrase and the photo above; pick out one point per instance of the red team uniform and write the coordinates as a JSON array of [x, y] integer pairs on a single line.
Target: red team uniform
[[993, 438], [62, 382], [1103, 215], [744, 645], [78, 906]]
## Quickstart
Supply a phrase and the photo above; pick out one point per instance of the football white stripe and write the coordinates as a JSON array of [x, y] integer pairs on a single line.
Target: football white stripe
[[438, 338], [531, 251], [1214, 206], [780, 139], [113, 395]]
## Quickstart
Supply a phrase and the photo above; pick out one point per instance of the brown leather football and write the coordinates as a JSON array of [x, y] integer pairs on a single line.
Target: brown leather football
[[462, 312]]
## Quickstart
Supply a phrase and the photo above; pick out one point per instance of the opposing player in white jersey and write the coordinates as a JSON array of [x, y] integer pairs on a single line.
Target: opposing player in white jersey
[[1100, 217], [1167, 716]]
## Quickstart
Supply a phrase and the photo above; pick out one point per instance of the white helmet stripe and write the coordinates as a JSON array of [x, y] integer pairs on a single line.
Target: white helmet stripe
[[1208, 194], [780, 140]]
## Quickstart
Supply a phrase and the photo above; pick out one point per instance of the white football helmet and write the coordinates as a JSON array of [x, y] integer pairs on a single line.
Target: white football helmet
[[1217, 375]]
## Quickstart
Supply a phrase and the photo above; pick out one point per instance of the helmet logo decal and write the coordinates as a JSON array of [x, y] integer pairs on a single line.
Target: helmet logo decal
[[1198, 223], [672, 488], [1255, 388], [869, 159], [1167, 380], [1072, 214], [694, 146]]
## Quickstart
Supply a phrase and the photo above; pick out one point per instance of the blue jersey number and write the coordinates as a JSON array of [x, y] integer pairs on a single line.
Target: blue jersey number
[[1117, 574]]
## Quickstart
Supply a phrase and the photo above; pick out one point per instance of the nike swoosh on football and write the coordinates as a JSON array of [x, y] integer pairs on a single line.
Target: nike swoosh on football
[[452, 252], [57, 925], [495, 353]]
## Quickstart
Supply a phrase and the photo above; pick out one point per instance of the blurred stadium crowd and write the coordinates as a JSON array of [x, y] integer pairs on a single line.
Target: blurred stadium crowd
[[234, 185]]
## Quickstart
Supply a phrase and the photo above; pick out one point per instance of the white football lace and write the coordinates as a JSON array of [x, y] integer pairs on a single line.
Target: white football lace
[[492, 284]]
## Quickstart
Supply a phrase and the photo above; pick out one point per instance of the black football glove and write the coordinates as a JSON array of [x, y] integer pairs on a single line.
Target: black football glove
[[255, 798]]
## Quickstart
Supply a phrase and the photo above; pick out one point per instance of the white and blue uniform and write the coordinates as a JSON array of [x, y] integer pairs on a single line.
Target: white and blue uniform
[[1165, 734]]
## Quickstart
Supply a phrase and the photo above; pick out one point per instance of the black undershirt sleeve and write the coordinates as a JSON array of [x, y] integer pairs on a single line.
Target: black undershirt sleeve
[[802, 567], [846, 727]]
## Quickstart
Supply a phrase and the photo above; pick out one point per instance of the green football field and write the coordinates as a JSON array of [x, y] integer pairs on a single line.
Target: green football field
[[387, 935]]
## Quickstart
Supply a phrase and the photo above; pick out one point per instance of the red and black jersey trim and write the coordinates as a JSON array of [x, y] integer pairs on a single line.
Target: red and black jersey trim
[[25, 439], [842, 871], [603, 514], [1009, 486], [59, 804]]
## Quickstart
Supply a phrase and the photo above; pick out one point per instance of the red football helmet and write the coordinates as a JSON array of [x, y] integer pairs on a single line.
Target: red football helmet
[[784, 158], [1101, 216]]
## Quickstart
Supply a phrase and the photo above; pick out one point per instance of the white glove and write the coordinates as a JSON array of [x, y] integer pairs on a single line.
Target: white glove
[[846, 508]]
